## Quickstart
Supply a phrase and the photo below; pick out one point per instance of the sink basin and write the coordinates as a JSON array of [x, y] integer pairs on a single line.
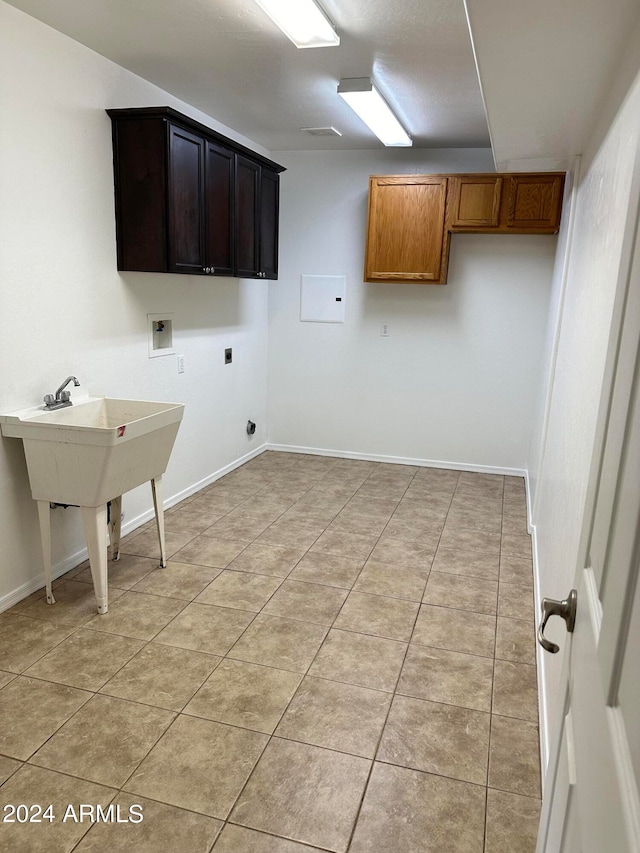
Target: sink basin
[[95, 450]]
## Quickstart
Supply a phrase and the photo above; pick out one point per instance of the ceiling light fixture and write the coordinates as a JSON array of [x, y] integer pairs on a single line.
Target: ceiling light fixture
[[367, 102], [302, 21]]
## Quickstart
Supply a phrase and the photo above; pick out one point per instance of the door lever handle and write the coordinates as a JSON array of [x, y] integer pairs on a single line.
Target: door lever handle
[[551, 607]]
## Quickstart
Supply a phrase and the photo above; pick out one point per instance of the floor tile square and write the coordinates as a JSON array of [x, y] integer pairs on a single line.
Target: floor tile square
[[137, 615], [241, 528], [467, 539], [271, 560], [304, 793], [404, 583], [515, 690], [406, 811], [24, 640], [246, 695], [86, 659], [6, 677], [163, 676], [456, 561], [352, 522], [105, 740], [337, 716], [198, 765], [360, 659], [456, 630], [163, 827], [239, 839], [425, 533], [476, 517], [462, 593], [514, 763], [8, 767], [37, 785], [178, 580], [445, 676], [206, 628], [309, 602], [444, 739], [516, 570], [516, 544], [291, 534], [31, 711], [515, 640], [512, 823], [207, 550], [240, 590], [515, 601], [343, 544], [402, 555], [328, 569], [379, 615], [281, 643]]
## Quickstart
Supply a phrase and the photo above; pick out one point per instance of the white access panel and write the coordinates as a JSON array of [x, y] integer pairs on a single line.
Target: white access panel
[[322, 298]]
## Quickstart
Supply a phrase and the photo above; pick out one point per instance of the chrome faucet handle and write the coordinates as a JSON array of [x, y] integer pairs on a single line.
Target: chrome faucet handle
[[65, 395], [49, 399]]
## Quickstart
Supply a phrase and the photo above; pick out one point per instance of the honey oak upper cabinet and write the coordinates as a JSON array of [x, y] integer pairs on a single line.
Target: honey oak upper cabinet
[[475, 201], [406, 228], [412, 217], [189, 200]]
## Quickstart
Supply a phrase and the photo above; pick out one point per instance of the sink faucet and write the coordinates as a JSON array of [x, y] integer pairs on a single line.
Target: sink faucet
[[61, 398]]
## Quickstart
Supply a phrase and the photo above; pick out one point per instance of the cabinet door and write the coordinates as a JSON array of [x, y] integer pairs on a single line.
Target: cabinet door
[[475, 201], [186, 216], [247, 217], [219, 237], [269, 204], [535, 201], [406, 228]]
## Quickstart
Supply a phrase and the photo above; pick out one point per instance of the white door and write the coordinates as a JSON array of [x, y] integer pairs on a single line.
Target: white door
[[592, 802]]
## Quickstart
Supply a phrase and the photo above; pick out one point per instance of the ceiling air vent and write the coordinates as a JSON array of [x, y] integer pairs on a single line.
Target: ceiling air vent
[[321, 131]]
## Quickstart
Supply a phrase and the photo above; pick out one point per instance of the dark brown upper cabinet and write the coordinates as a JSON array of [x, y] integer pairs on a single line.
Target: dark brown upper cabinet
[[189, 200]]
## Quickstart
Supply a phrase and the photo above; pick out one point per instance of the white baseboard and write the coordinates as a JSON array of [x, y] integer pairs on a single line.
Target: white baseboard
[[541, 660], [399, 460], [72, 560]]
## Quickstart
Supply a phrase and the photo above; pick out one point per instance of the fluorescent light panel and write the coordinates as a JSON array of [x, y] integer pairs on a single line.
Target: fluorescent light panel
[[367, 102], [302, 21]]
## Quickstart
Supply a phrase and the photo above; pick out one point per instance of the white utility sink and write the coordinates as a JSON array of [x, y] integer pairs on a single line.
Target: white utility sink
[[89, 454], [95, 450]]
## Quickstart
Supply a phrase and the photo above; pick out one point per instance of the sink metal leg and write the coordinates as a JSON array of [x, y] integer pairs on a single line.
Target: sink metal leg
[[44, 516], [94, 521], [115, 525], [156, 488]]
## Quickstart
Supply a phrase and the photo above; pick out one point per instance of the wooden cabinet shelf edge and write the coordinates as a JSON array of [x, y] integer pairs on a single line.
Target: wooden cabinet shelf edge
[[180, 206], [411, 218]]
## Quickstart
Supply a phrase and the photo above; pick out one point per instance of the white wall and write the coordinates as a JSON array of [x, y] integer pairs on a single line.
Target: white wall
[[64, 308], [456, 380], [581, 317]]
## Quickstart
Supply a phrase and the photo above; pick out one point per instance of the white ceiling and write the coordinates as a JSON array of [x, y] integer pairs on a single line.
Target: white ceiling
[[545, 67], [228, 59]]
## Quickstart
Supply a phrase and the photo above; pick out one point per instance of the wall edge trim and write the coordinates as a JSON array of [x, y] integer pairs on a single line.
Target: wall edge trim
[[399, 460], [543, 716]]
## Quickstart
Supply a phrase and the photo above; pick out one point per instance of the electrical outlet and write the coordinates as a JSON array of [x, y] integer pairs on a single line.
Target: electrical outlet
[[385, 330], [180, 364], [228, 355]]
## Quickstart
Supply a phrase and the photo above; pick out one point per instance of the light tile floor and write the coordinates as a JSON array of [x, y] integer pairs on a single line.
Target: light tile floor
[[339, 654]]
